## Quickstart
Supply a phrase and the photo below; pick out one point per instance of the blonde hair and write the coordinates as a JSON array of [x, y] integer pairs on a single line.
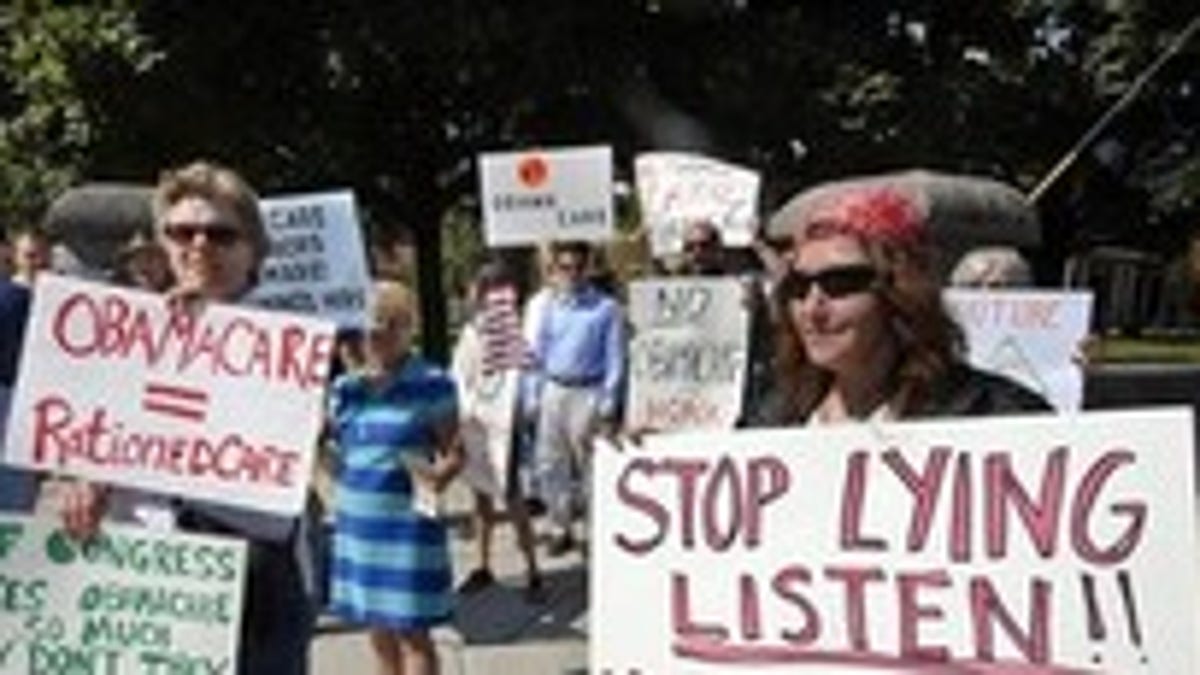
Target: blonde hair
[[393, 299], [217, 184]]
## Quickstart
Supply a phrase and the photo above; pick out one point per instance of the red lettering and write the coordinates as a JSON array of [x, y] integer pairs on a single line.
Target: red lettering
[[783, 584], [260, 357], [290, 344], [681, 614], [960, 510], [986, 609], [62, 327], [60, 437], [767, 480], [51, 417], [751, 614], [231, 347], [657, 514], [924, 488], [688, 472], [912, 612], [853, 495], [1041, 519], [319, 357], [725, 474], [855, 580], [1085, 503]]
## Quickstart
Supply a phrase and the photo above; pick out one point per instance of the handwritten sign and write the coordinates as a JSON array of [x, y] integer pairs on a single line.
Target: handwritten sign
[[223, 404], [1032, 337], [545, 195], [675, 189], [688, 356], [487, 370], [1040, 544], [127, 601], [317, 264]]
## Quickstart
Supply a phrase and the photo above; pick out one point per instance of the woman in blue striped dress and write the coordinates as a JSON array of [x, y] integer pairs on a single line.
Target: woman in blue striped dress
[[394, 426]]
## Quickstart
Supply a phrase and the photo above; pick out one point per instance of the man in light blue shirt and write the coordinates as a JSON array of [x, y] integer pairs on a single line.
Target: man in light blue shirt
[[574, 390]]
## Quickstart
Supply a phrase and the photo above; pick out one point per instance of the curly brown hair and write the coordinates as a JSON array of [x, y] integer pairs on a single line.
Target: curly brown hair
[[928, 339]]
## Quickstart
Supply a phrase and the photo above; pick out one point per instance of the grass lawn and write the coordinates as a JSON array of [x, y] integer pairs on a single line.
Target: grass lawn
[[1156, 349]]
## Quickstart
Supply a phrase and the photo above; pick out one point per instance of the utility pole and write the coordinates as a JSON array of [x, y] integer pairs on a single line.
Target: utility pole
[[1117, 108]]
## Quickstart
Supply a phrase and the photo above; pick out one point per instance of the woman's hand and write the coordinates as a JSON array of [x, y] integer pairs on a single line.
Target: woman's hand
[[82, 506]]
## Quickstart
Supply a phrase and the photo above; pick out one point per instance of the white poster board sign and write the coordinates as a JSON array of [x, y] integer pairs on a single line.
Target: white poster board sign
[[1048, 544], [689, 353], [223, 404], [317, 264], [559, 194], [1032, 337], [676, 188], [126, 602]]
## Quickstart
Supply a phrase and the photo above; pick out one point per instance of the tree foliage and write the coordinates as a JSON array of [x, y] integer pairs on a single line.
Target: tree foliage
[[54, 58], [395, 100]]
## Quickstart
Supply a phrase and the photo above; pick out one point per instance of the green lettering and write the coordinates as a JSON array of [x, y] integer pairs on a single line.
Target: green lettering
[[10, 536]]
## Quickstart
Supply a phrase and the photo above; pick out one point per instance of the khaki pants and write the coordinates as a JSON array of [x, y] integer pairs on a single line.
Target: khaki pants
[[566, 423]]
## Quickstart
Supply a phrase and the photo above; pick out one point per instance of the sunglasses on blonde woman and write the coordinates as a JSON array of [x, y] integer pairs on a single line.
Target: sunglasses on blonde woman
[[834, 282]]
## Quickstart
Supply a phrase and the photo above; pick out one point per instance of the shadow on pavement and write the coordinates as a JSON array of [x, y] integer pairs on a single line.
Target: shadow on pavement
[[500, 614]]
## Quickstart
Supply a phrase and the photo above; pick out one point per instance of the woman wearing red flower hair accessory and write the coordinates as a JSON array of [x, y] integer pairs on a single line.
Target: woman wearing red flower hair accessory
[[873, 212], [863, 333]]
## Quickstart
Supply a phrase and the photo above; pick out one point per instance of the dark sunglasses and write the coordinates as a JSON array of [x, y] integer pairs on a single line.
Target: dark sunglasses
[[219, 234], [834, 282]]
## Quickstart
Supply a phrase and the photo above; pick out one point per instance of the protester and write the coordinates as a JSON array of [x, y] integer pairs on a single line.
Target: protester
[[865, 335], [532, 314], [32, 254], [705, 255], [207, 219], [394, 428], [991, 267], [574, 391], [6, 256], [490, 350], [142, 263], [1003, 267], [18, 488]]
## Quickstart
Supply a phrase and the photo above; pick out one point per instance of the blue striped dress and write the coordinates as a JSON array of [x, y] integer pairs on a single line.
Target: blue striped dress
[[391, 566]]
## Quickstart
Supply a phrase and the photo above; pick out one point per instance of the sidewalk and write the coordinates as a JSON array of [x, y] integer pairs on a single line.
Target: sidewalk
[[494, 630]]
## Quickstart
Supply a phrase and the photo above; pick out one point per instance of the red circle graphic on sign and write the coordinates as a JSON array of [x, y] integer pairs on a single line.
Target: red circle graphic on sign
[[533, 171]]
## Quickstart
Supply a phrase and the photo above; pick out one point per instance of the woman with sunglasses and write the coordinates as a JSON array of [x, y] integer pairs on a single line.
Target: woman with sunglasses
[[863, 333], [208, 221]]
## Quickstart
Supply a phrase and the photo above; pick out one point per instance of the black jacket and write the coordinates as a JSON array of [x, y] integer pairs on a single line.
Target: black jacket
[[962, 392]]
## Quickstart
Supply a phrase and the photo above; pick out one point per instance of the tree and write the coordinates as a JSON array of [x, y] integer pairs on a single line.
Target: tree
[[396, 100], [53, 58]]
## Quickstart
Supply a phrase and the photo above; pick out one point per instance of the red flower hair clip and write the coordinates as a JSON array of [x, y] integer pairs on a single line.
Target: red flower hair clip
[[873, 212]]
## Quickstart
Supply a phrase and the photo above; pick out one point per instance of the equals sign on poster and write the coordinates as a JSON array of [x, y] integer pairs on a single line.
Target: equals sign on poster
[[184, 402]]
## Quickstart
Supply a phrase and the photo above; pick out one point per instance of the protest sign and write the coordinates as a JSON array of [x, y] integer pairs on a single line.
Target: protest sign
[[125, 602], [1032, 337], [1038, 544], [547, 195], [688, 355], [676, 188], [487, 369], [222, 404], [317, 264]]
